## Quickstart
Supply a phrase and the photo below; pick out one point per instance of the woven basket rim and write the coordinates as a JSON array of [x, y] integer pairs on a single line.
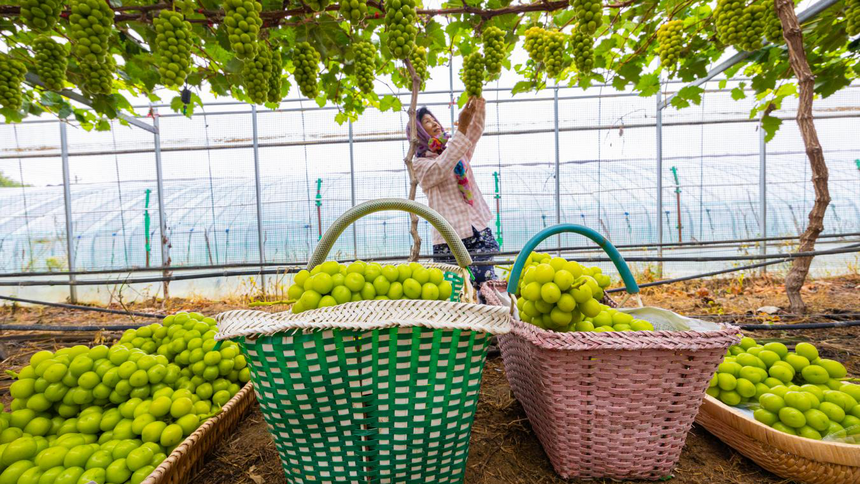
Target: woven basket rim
[[368, 316], [816, 450]]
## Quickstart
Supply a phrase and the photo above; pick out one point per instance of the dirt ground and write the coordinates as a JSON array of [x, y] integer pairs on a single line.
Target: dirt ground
[[503, 447]]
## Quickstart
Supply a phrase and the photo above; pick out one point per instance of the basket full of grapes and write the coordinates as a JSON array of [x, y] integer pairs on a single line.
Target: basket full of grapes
[[374, 373], [610, 392]]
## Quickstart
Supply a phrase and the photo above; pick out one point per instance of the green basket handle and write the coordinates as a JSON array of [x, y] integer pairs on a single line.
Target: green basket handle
[[461, 255], [600, 240]]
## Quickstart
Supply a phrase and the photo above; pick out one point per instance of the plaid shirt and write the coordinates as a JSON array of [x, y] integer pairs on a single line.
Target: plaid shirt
[[437, 180]]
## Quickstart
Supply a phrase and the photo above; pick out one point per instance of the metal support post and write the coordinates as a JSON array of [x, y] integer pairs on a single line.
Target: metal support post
[[658, 213], [352, 191], [159, 180], [259, 196], [557, 167], [67, 198], [451, 86], [762, 191]]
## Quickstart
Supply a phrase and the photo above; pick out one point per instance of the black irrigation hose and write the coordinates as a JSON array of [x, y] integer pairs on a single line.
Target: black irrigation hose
[[706, 274], [798, 326], [429, 256], [86, 308], [36, 327]]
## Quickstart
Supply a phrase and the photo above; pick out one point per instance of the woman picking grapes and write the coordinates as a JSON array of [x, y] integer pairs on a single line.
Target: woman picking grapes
[[445, 175]]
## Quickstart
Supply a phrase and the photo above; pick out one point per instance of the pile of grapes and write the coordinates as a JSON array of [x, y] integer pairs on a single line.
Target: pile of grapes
[[173, 47], [40, 15], [583, 51], [589, 15], [332, 283], [243, 26], [561, 295], [256, 74], [51, 62], [365, 66], [494, 50], [400, 20], [852, 17], [307, 62], [797, 392], [12, 74], [90, 25], [418, 57], [670, 40], [473, 74], [113, 414]]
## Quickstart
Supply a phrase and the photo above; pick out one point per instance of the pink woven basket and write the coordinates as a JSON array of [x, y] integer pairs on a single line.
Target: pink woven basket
[[610, 405]]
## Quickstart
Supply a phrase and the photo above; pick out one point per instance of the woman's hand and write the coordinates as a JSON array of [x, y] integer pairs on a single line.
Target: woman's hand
[[467, 114]]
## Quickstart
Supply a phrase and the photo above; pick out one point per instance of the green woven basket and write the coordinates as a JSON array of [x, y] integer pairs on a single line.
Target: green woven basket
[[371, 391]]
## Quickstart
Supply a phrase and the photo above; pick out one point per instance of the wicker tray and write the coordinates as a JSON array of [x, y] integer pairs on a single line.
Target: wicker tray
[[187, 459], [788, 456]]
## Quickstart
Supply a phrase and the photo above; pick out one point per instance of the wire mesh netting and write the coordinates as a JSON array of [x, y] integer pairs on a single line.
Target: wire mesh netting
[[600, 143]]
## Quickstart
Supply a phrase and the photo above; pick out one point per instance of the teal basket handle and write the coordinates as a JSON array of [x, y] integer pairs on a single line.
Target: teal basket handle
[[611, 251], [461, 254]]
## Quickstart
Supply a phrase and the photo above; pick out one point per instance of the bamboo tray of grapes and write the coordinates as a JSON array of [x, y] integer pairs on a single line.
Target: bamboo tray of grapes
[[788, 456], [187, 459]]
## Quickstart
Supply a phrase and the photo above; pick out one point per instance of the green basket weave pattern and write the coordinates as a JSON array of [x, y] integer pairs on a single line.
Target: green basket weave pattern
[[393, 405]]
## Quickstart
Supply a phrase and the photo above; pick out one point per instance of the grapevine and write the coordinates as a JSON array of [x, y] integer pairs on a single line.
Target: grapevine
[[852, 16], [353, 10], [11, 76], [51, 61], [418, 57], [535, 43], [583, 52], [256, 74], [242, 18], [90, 25], [275, 78], [494, 50], [670, 38], [553, 57], [307, 60], [773, 26], [589, 14], [365, 66], [400, 20], [173, 47], [98, 76], [40, 15], [473, 74]]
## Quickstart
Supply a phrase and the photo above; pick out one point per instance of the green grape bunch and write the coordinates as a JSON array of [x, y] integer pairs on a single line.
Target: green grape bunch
[[243, 22], [40, 15], [90, 26], [670, 39], [365, 66], [317, 5], [418, 57], [275, 79], [553, 57], [773, 26], [754, 20], [583, 50], [12, 74], [353, 10], [852, 17], [97, 76], [256, 74], [185, 7], [173, 47], [51, 62], [307, 60], [494, 50], [535, 43], [727, 16], [589, 14], [473, 74], [400, 24]]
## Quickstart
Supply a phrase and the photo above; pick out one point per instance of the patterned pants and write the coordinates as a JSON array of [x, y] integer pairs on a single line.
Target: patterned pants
[[482, 241]]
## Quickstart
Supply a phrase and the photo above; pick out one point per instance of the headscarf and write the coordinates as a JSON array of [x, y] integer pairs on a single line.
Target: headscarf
[[437, 145]]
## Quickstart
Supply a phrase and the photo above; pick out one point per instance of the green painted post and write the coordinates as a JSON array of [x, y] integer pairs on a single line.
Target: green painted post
[[146, 224], [498, 197], [319, 207], [677, 199]]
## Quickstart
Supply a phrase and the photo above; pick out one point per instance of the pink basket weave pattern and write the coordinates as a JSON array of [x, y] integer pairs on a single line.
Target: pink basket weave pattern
[[610, 405]]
